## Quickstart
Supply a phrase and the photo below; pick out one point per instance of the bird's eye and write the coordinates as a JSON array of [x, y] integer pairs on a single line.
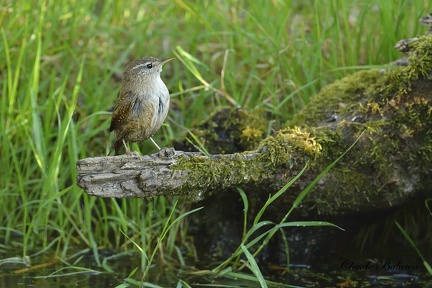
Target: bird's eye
[[150, 65]]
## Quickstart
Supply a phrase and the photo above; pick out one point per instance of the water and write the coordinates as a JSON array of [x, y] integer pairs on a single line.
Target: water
[[86, 274]]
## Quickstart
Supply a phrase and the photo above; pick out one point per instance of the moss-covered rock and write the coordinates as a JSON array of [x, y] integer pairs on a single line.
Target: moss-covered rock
[[392, 160], [390, 109]]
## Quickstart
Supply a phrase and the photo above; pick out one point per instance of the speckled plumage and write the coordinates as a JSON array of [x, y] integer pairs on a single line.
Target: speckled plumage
[[143, 102]]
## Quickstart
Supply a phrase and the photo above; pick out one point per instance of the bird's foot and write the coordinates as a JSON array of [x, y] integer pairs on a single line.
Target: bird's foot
[[166, 152], [133, 154]]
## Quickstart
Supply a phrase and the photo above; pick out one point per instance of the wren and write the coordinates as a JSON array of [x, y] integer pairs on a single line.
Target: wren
[[143, 103]]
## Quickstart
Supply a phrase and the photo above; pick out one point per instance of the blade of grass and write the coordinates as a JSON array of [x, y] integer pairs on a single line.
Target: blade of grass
[[254, 266], [408, 238]]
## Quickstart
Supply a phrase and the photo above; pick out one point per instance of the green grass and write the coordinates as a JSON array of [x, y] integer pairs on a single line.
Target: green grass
[[411, 242], [57, 59]]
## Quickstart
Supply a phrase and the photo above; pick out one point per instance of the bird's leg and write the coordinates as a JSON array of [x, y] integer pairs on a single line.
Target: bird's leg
[[164, 152], [126, 147], [128, 152], [157, 146]]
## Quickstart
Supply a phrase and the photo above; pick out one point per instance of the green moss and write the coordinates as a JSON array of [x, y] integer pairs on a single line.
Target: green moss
[[286, 141], [218, 172], [242, 168], [251, 134], [230, 130], [336, 98], [399, 82], [373, 107]]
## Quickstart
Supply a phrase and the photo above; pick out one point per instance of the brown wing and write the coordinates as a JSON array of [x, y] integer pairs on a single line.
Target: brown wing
[[121, 111]]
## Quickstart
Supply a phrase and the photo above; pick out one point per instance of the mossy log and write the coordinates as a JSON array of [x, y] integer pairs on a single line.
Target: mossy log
[[390, 163]]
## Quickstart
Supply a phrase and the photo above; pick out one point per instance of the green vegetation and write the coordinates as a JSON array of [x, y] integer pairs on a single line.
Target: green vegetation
[[57, 63], [395, 112]]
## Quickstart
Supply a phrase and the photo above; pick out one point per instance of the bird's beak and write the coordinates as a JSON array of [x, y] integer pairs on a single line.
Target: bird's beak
[[167, 60]]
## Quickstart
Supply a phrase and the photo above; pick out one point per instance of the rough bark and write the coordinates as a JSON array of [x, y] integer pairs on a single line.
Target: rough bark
[[129, 176]]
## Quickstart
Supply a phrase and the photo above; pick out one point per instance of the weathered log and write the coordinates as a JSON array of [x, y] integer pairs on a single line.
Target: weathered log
[[129, 176], [171, 172]]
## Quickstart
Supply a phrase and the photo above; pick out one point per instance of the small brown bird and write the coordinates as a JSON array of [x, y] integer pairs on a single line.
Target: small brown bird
[[143, 103]]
